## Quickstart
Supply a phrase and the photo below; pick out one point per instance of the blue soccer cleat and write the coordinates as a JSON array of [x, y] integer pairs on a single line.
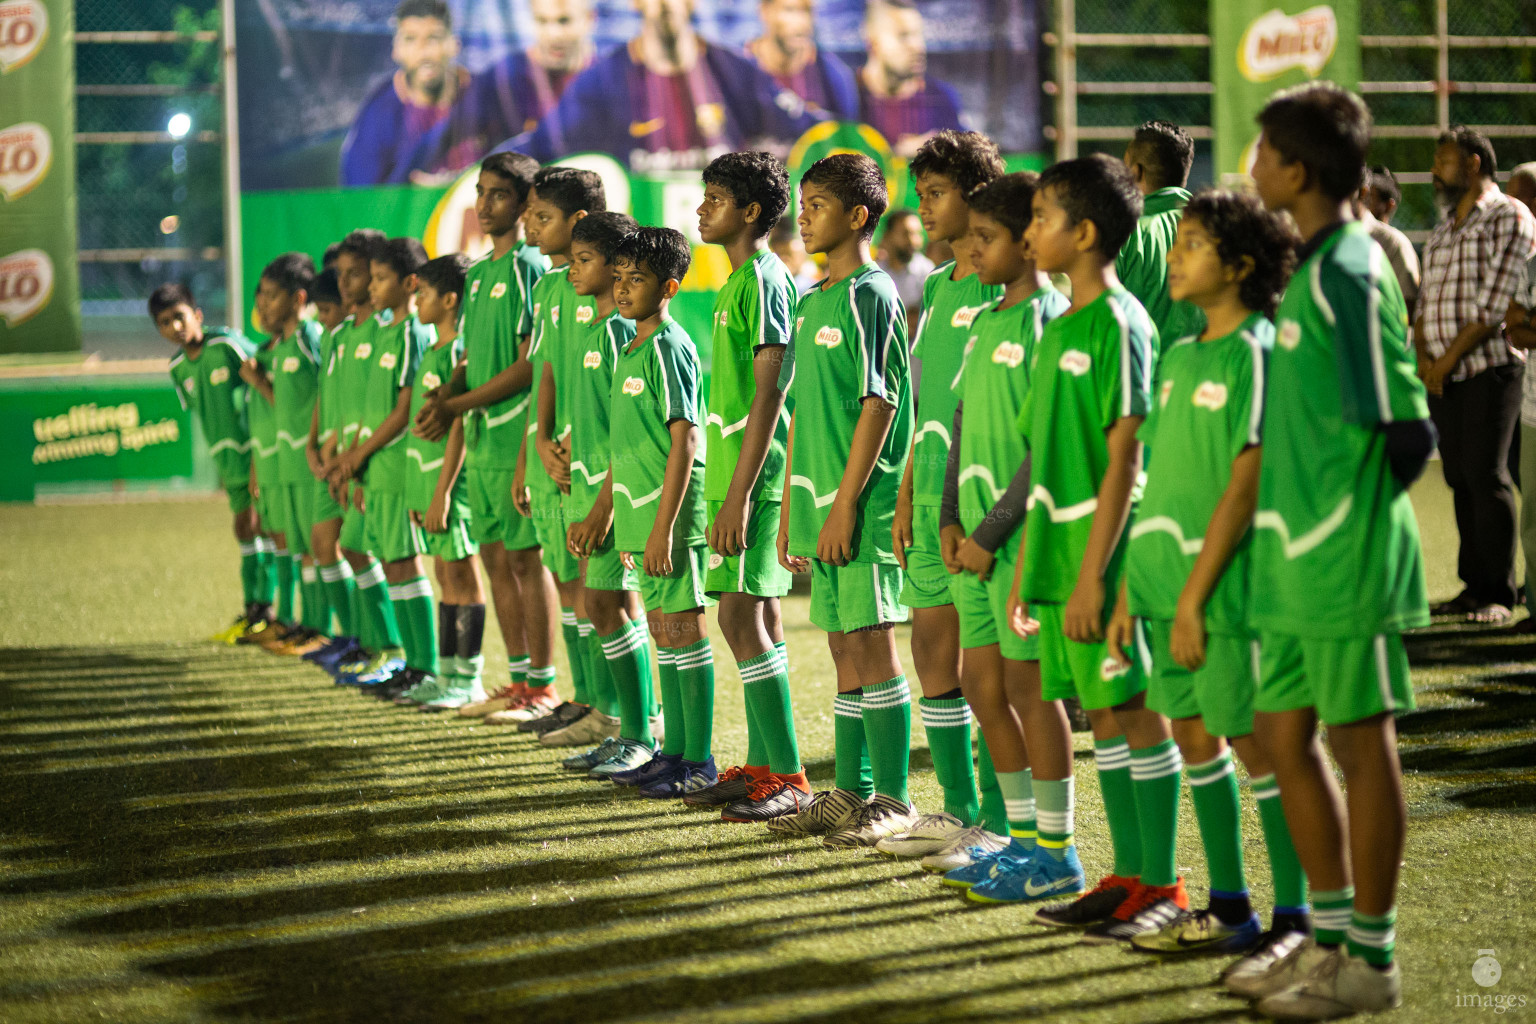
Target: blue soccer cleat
[[1036, 877]]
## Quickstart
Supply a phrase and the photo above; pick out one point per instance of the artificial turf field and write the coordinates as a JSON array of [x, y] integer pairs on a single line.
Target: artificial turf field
[[199, 833]]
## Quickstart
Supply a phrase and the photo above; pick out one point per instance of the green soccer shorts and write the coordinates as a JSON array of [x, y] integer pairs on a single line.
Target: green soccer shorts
[[1344, 679], [325, 507], [492, 516], [549, 528], [680, 592], [1220, 692], [1084, 671], [389, 536], [845, 598], [606, 570], [239, 496], [756, 570], [925, 581], [298, 504], [270, 508], [983, 610], [354, 529], [452, 545]]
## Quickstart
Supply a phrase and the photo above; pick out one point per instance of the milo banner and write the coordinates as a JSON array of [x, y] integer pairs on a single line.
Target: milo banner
[[374, 112], [39, 278], [1259, 46]]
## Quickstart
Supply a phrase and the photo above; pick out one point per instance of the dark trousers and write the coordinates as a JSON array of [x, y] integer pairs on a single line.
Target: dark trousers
[[1476, 418]]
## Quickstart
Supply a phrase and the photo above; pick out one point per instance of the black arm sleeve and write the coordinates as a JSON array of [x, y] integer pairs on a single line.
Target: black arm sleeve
[[1007, 513], [1409, 444], [949, 503]]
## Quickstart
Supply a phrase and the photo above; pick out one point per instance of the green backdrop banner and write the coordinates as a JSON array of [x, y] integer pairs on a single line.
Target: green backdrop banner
[[39, 275], [1259, 46]]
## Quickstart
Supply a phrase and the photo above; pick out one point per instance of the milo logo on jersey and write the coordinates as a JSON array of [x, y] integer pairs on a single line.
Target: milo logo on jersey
[[387, 361], [966, 315], [1289, 335], [592, 360], [554, 314], [829, 337], [584, 314], [632, 386], [1210, 395], [291, 364], [720, 319], [1009, 354], [1074, 362], [474, 288], [430, 380], [363, 351], [1163, 393], [218, 375], [498, 289]]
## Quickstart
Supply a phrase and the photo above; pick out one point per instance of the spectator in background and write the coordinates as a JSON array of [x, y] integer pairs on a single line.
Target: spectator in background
[[526, 84], [1159, 156], [1518, 322], [787, 245], [896, 97], [1380, 192], [901, 256], [1474, 263], [787, 50]]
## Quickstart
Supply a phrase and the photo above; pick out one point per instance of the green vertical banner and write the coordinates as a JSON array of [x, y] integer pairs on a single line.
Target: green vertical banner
[[1260, 46], [39, 271]]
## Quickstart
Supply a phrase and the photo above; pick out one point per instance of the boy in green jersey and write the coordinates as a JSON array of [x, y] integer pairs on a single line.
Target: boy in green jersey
[[1090, 391], [946, 169], [287, 382], [384, 371], [620, 700], [491, 390], [1159, 156], [560, 197], [206, 373], [986, 488], [269, 540], [437, 498], [1183, 602], [1336, 568], [656, 483], [850, 432], [744, 196]]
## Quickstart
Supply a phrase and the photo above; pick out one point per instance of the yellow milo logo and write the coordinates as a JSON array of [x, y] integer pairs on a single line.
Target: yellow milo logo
[[219, 375], [430, 380], [592, 360], [387, 361], [584, 315], [1210, 395], [633, 386], [291, 364], [363, 351], [965, 316], [1009, 354], [1289, 335], [498, 290], [829, 337]]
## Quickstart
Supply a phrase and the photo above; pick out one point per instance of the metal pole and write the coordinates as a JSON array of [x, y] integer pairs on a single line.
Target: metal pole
[[1066, 79], [233, 282], [1443, 63]]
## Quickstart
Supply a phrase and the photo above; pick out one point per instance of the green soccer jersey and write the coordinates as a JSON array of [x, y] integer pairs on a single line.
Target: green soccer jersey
[[655, 382], [498, 315], [424, 459], [353, 358], [393, 360], [755, 309], [1209, 407], [999, 361], [1091, 368], [591, 395], [554, 302], [1336, 546], [1142, 265], [295, 383], [332, 358], [209, 386], [264, 425], [950, 308], [850, 343]]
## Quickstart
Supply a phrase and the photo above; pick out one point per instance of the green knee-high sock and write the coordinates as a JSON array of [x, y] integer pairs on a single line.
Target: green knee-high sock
[[675, 723], [541, 680], [1054, 815], [581, 692], [317, 610], [1289, 880], [266, 571], [1019, 799], [605, 696], [629, 660], [948, 724], [887, 711], [850, 748], [695, 668], [1213, 790], [287, 584], [339, 590], [1331, 911], [757, 749], [517, 671], [1155, 772], [1373, 938], [250, 569], [994, 813], [765, 679], [1113, 757], [413, 605], [373, 597]]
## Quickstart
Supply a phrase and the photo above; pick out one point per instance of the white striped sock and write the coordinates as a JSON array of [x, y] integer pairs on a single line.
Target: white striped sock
[[1157, 766], [1112, 758]]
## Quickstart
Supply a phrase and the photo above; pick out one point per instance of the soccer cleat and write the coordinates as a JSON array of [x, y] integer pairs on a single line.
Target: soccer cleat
[[377, 669], [687, 777], [338, 652], [776, 796], [963, 848], [1091, 907], [929, 834], [1024, 880], [592, 727], [1202, 932], [524, 709], [1150, 908], [425, 688], [228, 634], [630, 754], [1281, 960], [584, 761], [498, 701], [1339, 986], [981, 866], [826, 812], [277, 634], [659, 767], [390, 689], [732, 785], [257, 631], [881, 818], [456, 692], [561, 716]]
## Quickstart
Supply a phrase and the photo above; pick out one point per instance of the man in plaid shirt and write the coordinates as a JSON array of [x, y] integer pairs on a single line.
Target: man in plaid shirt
[[1474, 263]]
